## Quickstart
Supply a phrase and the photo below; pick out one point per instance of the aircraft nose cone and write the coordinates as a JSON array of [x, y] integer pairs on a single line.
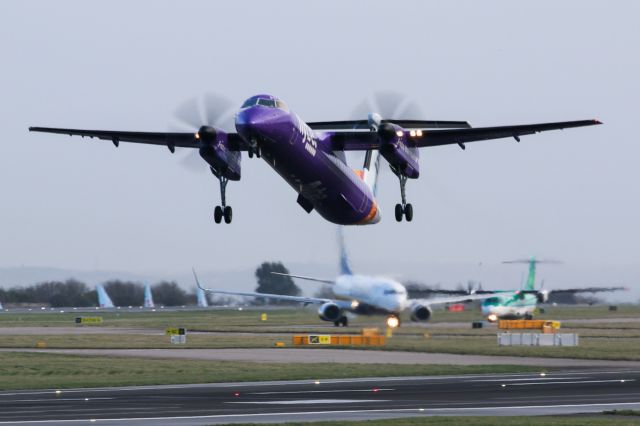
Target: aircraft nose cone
[[252, 120]]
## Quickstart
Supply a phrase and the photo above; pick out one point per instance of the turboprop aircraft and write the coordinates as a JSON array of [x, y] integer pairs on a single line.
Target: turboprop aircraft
[[360, 295], [523, 303], [310, 156]]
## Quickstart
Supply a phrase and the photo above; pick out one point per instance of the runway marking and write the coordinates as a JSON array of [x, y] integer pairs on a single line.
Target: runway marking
[[309, 401], [320, 391], [462, 377], [390, 410], [571, 382]]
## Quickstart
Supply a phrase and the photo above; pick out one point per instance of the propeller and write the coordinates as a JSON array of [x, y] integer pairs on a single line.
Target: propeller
[[202, 116], [383, 105], [390, 105]]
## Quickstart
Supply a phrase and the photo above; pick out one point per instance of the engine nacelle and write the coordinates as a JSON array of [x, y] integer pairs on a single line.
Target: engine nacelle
[[420, 313], [543, 296], [395, 148], [330, 312], [215, 150]]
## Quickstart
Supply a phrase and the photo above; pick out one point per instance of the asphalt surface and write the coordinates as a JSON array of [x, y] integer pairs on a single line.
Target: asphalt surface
[[567, 392], [340, 356]]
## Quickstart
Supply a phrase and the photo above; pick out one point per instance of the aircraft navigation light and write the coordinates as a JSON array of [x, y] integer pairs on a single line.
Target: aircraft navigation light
[[317, 382], [58, 392], [418, 132], [399, 133], [543, 374], [354, 304], [503, 385], [197, 135], [492, 318], [393, 322], [412, 133]]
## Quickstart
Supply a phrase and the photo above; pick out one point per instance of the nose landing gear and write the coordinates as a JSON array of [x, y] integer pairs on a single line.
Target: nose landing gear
[[405, 209], [223, 211]]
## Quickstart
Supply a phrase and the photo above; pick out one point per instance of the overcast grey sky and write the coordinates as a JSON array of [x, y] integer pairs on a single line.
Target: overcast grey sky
[[570, 195]]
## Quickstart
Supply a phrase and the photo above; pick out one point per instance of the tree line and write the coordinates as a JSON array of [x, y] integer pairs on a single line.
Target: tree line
[[74, 293]]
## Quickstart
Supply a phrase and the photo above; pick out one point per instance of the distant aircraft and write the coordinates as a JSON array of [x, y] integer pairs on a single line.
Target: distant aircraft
[[148, 297], [104, 301], [202, 298], [310, 157], [360, 294], [522, 303]]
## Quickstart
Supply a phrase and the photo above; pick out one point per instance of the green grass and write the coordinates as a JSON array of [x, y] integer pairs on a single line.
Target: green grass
[[613, 341], [53, 371], [594, 420], [234, 320], [590, 348]]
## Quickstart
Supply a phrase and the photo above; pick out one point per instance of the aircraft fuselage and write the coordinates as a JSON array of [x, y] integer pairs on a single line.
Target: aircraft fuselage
[[299, 156]]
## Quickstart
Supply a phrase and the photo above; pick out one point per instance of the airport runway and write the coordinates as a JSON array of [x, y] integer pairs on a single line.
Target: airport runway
[[567, 392]]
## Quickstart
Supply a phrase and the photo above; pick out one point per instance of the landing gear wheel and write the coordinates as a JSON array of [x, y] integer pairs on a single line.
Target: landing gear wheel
[[217, 214], [228, 214], [408, 212], [528, 317], [345, 321], [399, 212]]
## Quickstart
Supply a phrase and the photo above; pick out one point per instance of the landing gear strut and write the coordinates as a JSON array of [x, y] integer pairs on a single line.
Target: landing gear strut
[[405, 209], [343, 321], [223, 211], [254, 148]]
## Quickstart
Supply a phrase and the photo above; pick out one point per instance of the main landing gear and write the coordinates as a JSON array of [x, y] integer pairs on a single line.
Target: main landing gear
[[223, 211], [405, 209], [343, 321]]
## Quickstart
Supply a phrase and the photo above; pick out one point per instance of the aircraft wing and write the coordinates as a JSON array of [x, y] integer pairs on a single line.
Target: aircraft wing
[[407, 124], [580, 290], [456, 299], [169, 139], [302, 277], [359, 140], [300, 299]]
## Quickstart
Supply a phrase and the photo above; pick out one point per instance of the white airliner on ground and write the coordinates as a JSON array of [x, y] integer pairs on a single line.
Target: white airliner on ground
[[360, 294]]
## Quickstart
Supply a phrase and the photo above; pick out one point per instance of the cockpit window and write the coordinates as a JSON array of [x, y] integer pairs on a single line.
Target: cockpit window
[[270, 103], [267, 102], [249, 102]]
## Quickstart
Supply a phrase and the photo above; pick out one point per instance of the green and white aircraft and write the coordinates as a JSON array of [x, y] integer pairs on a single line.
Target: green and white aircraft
[[523, 303]]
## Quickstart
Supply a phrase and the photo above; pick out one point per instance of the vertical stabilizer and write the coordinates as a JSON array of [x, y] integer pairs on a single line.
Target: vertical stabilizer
[[345, 266], [148, 297], [531, 278], [202, 298], [104, 301]]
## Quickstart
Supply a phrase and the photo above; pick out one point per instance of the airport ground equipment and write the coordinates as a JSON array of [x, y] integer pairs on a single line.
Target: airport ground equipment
[[538, 339], [338, 340], [544, 325], [177, 336]]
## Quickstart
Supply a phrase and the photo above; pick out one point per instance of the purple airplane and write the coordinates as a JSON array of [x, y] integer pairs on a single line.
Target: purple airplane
[[311, 156]]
